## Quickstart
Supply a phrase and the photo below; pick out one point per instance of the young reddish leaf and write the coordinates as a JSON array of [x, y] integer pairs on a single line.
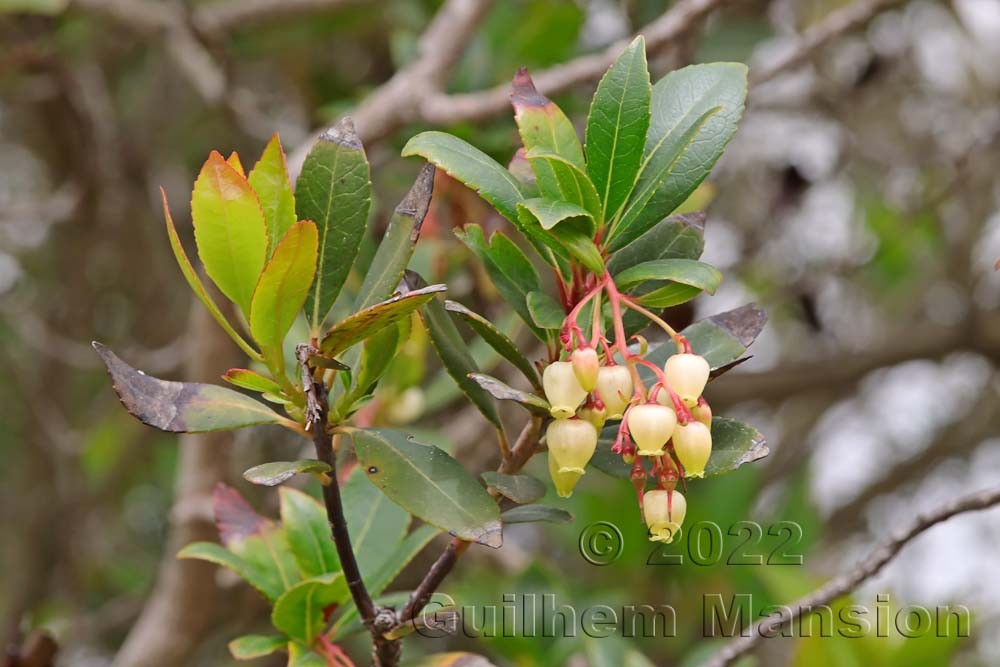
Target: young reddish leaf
[[234, 161], [229, 230], [235, 519], [283, 287], [247, 379], [616, 127], [184, 407], [334, 191], [197, 286], [543, 126], [269, 179]]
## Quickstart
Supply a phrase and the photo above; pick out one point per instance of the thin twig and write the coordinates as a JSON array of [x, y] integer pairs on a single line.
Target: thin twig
[[849, 581]]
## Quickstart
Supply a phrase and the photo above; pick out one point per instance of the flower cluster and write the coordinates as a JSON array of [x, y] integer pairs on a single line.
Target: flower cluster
[[667, 423]]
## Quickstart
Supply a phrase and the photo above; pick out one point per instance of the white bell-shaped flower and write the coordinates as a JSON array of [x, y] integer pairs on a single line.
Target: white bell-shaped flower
[[562, 389], [664, 513], [586, 366], [572, 443], [650, 426], [614, 386], [687, 375], [693, 445]]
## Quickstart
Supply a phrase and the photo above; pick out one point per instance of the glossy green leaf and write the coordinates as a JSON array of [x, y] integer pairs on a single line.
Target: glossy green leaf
[[497, 339], [249, 647], [269, 179], [378, 353], [695, 113], [303, 656], [533, 513], [276, 472], [456, 358], [229, 230], [334, 191], [616, 127], [367, 322], [572, 182], [247, 379], [194, 281], [676, 237], [396, 247], [305, 522], [543, 125], [429, 484], [545, 311], [376, 524], [282, 289], [551, 212], [733, 445], [508, 267], [471, 167], [183, 407], [519, 488], [299, 611], [220, 555], [703, 277], [504, 392]]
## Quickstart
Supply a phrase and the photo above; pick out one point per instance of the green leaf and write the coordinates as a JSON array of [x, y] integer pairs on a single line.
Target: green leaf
[[454, 354], [369, 321], [532, 513], [405, 551], [503, 392], [429, 484], [676, 237], [545, 311], [379, 351], [376, 524], [509, 269], [570, 229], [183, 407], [471, 167], [334, 191], [220, 555], [269, 179], [543, 126], [497, 339], [573, 183], [229, 230], [276, 472], [305, 522], [684, 272], [695, 113], [249, 647], [299, 611], [733, 444], [721, 339], [197, 286], [282, 290], [303, 656], [519, 488], [397, 244], [616, 127], [246, 379]]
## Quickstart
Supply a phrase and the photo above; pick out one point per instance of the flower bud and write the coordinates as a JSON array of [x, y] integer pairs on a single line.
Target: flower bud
[[593, 414], [687, 374], [564, 481], [585, 367], [571, 442], [650, 425], [693, 445], [562, 389], [703, 412], [664, 513], [614, 385]]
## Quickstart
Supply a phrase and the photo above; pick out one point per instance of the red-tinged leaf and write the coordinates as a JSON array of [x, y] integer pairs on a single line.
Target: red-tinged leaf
[[283, 287], [234, 161], [197, 286], [269, 179], [247, 379], [235, 519], [229, 230], [367, 322], [183, 407]]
